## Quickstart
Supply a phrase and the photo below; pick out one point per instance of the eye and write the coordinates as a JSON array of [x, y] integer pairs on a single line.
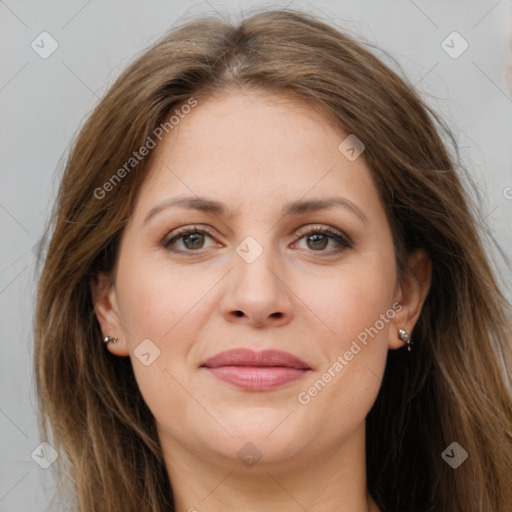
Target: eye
[[191, 238], [318, 238]]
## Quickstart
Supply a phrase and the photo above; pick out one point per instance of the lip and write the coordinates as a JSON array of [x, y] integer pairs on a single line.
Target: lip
[[256, 371]]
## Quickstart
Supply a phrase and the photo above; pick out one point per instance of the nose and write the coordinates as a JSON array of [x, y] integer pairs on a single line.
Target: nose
[[256, 295]]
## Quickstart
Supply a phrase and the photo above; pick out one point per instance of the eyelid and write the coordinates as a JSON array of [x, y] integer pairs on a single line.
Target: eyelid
[[342, 240], [323, 228], [185, 230]]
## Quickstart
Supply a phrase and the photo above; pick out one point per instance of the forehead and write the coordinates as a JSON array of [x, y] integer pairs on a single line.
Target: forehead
[[254, 148]]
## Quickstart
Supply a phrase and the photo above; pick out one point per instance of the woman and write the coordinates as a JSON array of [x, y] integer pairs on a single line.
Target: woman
[[265, 289]]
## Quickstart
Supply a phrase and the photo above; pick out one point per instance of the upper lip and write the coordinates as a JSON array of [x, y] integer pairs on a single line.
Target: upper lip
[[248, 357]]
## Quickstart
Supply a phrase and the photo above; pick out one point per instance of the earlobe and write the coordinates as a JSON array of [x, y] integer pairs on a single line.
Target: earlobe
[[107, 313], [411, 295]]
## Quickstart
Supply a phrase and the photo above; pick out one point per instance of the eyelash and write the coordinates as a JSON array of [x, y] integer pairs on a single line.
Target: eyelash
[[343, 240]]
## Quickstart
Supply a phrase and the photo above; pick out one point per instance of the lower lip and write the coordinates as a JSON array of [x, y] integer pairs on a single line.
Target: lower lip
[[257, 378]]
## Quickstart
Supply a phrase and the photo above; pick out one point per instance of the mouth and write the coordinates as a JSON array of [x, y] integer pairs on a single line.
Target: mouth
[[256, 371]]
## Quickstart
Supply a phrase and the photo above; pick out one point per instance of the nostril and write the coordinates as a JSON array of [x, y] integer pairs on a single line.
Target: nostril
[[277, 315]]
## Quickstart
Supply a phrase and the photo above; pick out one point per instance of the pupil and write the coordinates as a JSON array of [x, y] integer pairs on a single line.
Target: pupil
[[317, 237], [196, 240]]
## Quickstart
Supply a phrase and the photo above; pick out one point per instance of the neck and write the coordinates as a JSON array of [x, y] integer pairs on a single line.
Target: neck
[[331, 480]]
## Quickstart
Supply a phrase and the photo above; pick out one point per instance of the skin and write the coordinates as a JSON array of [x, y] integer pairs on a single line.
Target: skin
[[255, 152]]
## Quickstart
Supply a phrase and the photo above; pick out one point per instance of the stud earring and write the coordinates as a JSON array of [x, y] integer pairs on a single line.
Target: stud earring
[[404, 336], [108, 339]]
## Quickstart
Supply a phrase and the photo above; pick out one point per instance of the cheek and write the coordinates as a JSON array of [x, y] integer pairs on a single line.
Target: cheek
[[155, 305], [155, 296], [352, 299], [356, 305], [166, 305]]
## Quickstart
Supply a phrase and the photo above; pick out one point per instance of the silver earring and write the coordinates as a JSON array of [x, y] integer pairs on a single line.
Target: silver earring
[[108, 339], [404, 336]]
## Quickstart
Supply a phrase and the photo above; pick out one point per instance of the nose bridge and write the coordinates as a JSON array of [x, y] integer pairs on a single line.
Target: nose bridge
[[253, 267], [257, 292]]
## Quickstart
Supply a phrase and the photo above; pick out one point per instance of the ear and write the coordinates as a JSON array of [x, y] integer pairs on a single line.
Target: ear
[[411, 294], [107, 312]]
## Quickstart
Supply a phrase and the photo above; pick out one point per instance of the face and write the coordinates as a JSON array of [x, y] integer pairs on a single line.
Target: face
[[252, 258]]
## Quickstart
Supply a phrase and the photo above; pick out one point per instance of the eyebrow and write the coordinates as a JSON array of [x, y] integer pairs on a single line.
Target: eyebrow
[[293, 208]]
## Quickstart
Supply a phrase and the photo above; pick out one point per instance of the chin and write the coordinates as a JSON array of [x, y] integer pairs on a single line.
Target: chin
[[263, 452]]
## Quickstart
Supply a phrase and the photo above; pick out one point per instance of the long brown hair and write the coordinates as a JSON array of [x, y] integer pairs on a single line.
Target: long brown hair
[[455, 386]]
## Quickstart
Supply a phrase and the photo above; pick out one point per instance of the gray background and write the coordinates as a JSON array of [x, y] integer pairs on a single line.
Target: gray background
[[43, 102]]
